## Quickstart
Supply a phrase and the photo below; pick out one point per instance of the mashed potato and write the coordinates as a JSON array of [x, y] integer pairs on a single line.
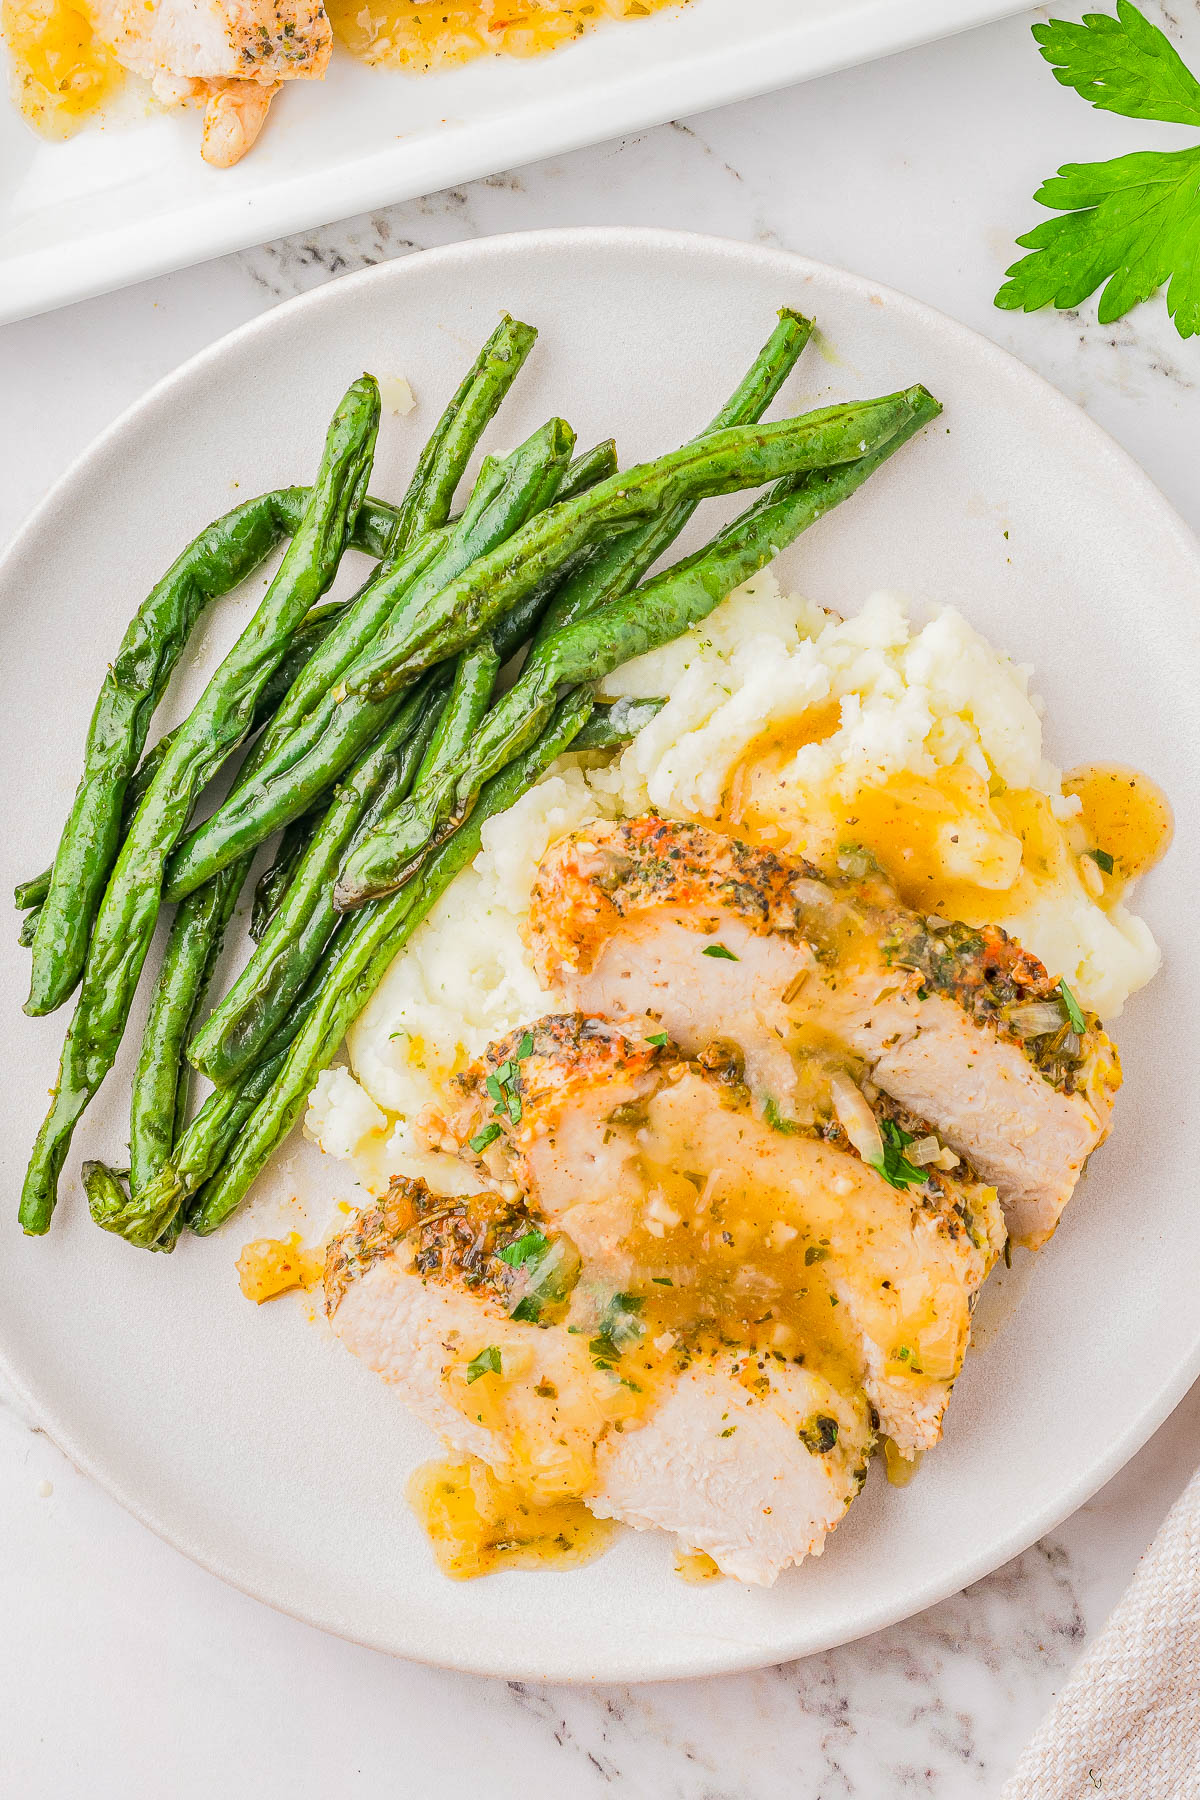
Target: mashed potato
[[922, 743]]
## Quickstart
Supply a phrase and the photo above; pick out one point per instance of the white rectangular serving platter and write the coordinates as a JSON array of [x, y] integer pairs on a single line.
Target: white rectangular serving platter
[[119, 204]]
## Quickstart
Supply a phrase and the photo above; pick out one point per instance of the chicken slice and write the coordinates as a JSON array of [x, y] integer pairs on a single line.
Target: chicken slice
[[667, 1179], [796, 963], [232, 55], [754, 1477], [753, 1472]]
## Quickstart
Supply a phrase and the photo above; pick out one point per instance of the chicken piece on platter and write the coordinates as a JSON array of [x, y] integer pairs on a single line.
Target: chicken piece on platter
[[231, 55]]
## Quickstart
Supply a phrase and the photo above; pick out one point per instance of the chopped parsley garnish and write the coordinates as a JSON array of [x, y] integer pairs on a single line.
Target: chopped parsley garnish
[[776, 1120], [818, 1434], [502, 1085], [662, 1281], [814, 1254], [658, 1040], [1074, 1010], [719, 950], [530, 1248], [524, 1249], [1103, 860], [893, 1165], [486, 1363], [619, 1327], [483, 1138], [546, 1270]]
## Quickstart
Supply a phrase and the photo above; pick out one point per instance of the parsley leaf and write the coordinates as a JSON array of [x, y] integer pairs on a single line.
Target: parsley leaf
[[486, 1363], [502, 1087], [893, 1165], [818, 1434], [619, 1327], [658, 1040], [483, 1138], [524, 1249], [1074, 1010], [1131, 225], [1122, 65], [1103, 860], [719, 950], [776, 1120]]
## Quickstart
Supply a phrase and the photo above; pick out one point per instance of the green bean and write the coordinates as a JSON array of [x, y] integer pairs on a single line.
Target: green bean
[[221, 557], [740, 457], [234, 1036], [309, 635], [442, 462], [150, 1219], [417, 539], [300, 763], [618, 566], [272, 884], [216, 561], [591, 466], [160, 1086], [125, 920], [361, 961], [32, 892], [650, 616]]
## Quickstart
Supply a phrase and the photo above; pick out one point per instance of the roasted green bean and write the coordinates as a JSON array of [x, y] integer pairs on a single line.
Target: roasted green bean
[[592, 647], [221, 718], [740, 457], [234, 1036], [358, 966], [310, 745], [618, 565], [160, 1086]]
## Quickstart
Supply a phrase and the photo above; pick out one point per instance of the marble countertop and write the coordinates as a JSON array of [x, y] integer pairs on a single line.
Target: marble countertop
[[127, 1671]]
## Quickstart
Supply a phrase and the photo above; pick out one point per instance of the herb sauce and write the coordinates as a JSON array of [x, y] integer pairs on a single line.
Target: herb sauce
[[478, 1523]]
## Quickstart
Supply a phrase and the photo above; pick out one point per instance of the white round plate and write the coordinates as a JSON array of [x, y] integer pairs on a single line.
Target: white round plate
[[246, 1436]]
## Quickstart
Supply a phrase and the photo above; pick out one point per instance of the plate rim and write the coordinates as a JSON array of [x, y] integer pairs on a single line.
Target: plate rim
[[41, 280], [715, 1657]]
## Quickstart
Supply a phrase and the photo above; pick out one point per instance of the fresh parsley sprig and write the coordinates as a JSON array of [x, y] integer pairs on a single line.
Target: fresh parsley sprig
[[1132, 224]]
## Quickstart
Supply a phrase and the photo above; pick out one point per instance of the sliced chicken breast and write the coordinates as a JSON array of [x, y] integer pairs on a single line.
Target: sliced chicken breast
[[751, 1476], [668, 1180], [752, 1466], [715, 938]]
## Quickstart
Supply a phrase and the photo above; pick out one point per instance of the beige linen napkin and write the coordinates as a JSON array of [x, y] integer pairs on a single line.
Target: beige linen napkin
[[1127, 1725]]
